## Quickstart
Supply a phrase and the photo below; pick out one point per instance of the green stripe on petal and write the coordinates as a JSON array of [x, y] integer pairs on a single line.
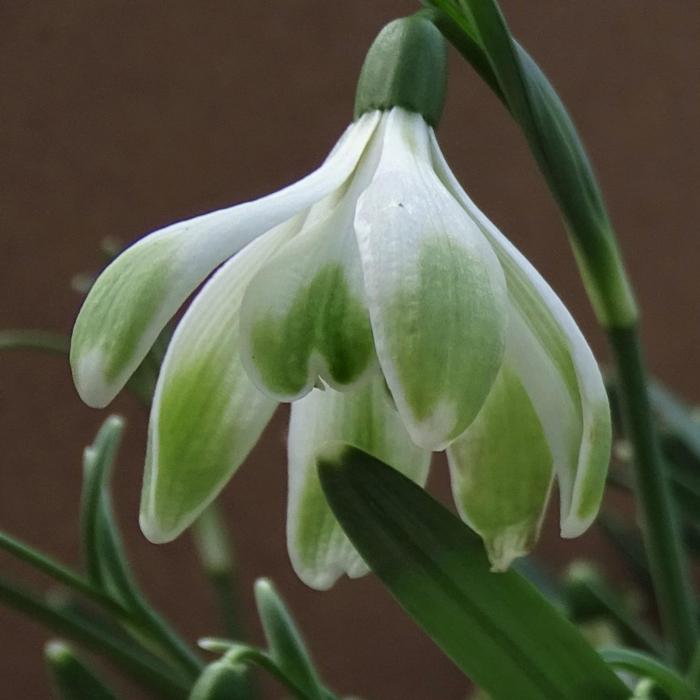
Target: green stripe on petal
[[365, 418], [139, 292], [436, 292], [207, 414], [501, 471], [304, 318], [546, 337]]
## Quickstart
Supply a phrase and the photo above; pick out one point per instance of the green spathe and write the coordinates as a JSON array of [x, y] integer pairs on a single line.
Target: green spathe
[[406, 66]]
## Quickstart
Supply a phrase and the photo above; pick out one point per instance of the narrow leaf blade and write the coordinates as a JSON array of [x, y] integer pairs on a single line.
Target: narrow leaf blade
[[496, 627], [286, 645]]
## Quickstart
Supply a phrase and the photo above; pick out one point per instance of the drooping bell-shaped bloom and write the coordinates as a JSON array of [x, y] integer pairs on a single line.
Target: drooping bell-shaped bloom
[[376, 298]]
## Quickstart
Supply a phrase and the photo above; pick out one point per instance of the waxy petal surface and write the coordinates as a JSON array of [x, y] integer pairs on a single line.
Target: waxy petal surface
[[304, 318], [207, 415], [139, 292], [365, 418], [435, 289], [558, 371], [501, 471]]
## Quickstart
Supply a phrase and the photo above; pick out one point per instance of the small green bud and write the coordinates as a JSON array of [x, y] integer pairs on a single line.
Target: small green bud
[[406, 66]]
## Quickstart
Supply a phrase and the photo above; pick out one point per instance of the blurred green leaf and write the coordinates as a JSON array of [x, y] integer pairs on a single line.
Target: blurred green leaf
[[21, 339], [589, 596], [645, 666], [221, 680], [284, 640], [238, 654], [496, 627], [675, 416], [73, 679], [167, 682], [478, 30], [103, 556]]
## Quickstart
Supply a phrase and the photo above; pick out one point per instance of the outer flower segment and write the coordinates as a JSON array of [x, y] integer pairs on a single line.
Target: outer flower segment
[[382, 303]]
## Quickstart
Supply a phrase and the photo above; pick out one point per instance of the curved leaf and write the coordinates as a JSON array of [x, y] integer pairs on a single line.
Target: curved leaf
[[496, 627]]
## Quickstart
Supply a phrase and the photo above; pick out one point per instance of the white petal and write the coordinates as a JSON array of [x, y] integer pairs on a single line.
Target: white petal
[[140, 291], [501, 471], [304, 318], [558, 370], [206, 415], [436, 292], [363, 418]]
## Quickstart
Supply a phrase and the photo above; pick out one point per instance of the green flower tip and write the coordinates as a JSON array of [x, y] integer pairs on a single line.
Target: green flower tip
[[406, 66]]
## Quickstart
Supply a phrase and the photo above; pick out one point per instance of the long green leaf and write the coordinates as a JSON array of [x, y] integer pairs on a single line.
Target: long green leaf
[[478, 30], [131, 658], [284, 639], [97, 462], [496, 627]]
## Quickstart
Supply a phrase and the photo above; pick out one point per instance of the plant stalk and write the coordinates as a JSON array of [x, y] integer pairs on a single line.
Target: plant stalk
[[659, 517]]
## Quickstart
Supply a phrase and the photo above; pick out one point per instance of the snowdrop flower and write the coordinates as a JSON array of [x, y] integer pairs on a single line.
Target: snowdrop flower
[[376, 298]]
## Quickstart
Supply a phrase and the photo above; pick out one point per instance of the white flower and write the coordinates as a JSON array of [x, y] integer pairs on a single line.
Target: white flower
[[376, 297]]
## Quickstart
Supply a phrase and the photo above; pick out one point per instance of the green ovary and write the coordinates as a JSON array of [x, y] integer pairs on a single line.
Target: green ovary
[[324, 318]]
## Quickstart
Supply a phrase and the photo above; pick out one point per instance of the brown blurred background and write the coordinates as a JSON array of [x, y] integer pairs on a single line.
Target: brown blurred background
[[119, 117]]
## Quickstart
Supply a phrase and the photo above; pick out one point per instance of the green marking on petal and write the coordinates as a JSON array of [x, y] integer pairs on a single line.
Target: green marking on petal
[[447, 333], [594, 472], [190, 395], [121, 306], [363, 417], [502, 471], [365, 421], [324, 319]]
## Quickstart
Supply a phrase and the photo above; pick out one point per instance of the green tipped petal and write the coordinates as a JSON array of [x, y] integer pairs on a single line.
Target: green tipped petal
[[558, 371], [364, 418], [304, 317], [501, 471], [139, 292], [207, 414], [435, 289]]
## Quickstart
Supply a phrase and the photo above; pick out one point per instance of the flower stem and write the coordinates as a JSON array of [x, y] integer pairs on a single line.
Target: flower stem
[[660, 524]]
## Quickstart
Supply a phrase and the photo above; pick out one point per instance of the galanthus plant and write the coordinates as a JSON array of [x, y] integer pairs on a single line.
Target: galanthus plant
[[376, 298]]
